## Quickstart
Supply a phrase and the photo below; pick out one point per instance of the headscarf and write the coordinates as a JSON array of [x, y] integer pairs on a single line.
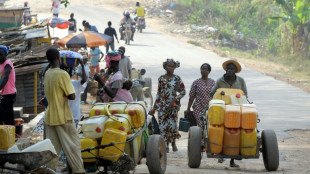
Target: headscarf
[[177, 63], [112, 55], [5, 48]]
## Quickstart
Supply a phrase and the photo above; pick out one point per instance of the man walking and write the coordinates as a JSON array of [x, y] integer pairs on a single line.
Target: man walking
[[124, 64], [110, 32], [72, 26], [59, 124], [7, 88]]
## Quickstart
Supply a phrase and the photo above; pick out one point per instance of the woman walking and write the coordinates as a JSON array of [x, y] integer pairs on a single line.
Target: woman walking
[[167, 103], [200, 93]]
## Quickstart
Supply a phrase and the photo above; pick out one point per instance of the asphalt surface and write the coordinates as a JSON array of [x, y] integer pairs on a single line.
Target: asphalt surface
[[281, 106]]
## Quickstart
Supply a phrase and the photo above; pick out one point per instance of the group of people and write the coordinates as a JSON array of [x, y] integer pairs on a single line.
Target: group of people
[[171, 89]]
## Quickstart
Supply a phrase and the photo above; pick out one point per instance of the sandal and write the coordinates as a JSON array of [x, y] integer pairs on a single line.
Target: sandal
[[220, 160], [233, 164]]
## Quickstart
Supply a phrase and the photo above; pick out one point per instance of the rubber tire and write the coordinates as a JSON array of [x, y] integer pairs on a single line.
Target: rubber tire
[[156, 155], [270, 150], [45, 171], [148, 83], [194, 147]]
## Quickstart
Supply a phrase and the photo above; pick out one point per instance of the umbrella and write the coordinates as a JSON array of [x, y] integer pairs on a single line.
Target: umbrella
[[59, 23], [70, 58], [84, 39]]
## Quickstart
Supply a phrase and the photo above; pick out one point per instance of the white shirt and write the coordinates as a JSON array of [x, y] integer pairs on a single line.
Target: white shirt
[[75, 104], [79, 71]]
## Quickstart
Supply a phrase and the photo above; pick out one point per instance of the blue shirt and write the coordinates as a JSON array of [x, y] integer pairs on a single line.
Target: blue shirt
[[94, 56], [93, 28]]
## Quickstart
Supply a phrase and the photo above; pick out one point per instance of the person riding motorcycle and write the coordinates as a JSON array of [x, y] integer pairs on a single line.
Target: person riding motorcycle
[[140, 11], [127, 18]]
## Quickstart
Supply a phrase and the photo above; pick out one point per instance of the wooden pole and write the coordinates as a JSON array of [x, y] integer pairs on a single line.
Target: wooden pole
[[35, 109]]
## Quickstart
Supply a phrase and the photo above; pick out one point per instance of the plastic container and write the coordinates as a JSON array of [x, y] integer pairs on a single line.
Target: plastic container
[[86, 143], [231, 141], [223, 97], [18, 121], [238, 99], [99, 109], [248, 142], [215, 135], [117, 107], [248, 117], [41, 146], [132, 148], [113, 153], [137, 114], [232, 116], [230, 91], [184, 124], [94, 127], [7, 136], [121, 122], [216, 113]]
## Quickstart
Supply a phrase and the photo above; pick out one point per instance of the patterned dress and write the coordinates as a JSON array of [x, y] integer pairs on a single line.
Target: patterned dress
[[200, 91], [168, 118]]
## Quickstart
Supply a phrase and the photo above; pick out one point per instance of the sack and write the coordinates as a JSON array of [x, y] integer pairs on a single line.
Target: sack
[[190, 117], [155, 126]]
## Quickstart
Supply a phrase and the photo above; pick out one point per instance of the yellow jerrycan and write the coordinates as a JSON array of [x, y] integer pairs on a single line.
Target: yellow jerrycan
[[248, 116], [86, 143], [119, 121], [232, 116], [99, 109], [215, 136], [118, 137], [7, 136], [231, 141], [248, 142], [117, 107], [137, 113], [216, 112]]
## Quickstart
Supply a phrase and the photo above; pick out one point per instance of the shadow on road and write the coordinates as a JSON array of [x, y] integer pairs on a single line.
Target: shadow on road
[[148, 33], [141, 45]]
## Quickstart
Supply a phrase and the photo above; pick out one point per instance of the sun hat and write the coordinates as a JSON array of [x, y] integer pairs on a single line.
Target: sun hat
[[235, 62]]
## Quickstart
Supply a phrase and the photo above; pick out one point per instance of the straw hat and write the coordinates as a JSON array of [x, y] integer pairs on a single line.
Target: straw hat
[[234, 61]]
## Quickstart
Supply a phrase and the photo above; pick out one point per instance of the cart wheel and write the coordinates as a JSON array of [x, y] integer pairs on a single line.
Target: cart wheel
[[156, 156], [148, 83], [194, 147], [45, 171], [270, 150]]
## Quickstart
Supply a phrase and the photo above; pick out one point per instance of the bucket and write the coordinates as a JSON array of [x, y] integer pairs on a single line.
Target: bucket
[[184, 125], [18, 131]]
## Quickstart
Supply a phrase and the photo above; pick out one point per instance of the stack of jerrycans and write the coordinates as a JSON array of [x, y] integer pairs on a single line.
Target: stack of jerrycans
[[115, 130], [215, 114], [232, 130], [137, 112], [248, 129]]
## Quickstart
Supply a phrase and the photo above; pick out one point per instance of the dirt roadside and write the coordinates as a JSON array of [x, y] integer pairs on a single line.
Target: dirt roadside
[[294, 151]]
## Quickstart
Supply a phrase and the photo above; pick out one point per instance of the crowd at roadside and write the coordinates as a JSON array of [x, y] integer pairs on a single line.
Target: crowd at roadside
[[63, 93]]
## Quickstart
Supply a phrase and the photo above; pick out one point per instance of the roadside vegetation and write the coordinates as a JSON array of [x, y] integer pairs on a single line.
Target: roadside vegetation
[[269, 30]]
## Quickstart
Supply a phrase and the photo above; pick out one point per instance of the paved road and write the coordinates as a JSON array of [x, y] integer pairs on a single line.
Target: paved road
[[280, 105]]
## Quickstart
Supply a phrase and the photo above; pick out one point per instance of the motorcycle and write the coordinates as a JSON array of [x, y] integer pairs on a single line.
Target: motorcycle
[[127, 32], [141, 24]]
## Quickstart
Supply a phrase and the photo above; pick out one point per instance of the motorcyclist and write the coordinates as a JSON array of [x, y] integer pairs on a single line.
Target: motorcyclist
[[127, 18], [140, 11]]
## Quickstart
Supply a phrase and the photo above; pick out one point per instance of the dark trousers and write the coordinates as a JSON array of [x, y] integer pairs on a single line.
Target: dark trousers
[[6, 109], [84, 95], [111, 44]]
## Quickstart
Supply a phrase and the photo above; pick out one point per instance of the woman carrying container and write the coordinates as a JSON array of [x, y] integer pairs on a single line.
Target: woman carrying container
[[112, 89], [167, 103], [200, 93], [230, 80]]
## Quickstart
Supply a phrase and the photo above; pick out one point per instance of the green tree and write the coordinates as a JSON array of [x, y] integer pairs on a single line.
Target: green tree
[[296, 13]]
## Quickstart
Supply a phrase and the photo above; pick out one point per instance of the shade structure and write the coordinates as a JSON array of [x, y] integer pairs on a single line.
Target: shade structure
[[84, 39], [59, 23]]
